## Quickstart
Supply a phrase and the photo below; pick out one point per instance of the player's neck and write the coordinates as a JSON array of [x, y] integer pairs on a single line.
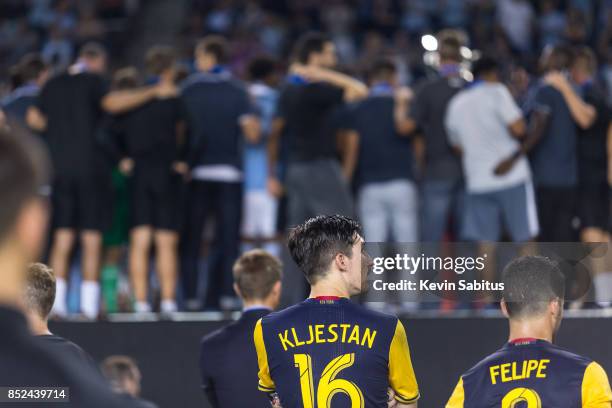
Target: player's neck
[[328, 288], [530, 329], [38, 326]]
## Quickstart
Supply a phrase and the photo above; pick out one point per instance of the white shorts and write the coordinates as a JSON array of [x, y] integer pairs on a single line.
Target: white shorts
[[259, 214]]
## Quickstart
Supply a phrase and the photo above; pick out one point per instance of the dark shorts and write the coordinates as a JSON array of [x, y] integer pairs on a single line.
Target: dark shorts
[[594, 206], [155, 201], [83, 203], [513, 209]]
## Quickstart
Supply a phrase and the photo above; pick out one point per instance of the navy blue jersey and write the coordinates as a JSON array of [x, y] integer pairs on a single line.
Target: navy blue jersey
[[327, 352], [529, 373]]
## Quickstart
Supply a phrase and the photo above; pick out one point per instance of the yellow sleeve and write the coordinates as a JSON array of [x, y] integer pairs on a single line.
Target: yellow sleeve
[[458, 398], [401, 374], [596, 388], [265, 380]]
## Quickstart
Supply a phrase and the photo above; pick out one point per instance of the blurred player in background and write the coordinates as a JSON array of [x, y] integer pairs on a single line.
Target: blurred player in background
[[594, 154], [442, 188], [326, 350], [221, 119], [554, 158], [39, 298], [529, 369], [80, 196], [260, 206], [257, 281], [124, 377], [387, 195], [23, 220], [32, 73], [152, 137]]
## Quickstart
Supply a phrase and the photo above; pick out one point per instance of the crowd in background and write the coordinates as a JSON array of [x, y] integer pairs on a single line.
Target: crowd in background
[[262, 126]]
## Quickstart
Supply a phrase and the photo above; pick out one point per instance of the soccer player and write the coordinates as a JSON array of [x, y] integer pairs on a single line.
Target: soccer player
[[327, 351], [529, 369], [221, 120], [38, 300], [257, 281], [153, 150]]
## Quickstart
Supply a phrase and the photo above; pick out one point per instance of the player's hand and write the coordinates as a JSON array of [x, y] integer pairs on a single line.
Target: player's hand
[[557, 80], [391, 401], [165, 90], [504, 166], [275, 187], [126, 166]]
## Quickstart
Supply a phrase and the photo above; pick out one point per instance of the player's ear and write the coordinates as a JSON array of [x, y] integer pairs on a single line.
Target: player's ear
[[237, 290], [504, 308], [342, 262]]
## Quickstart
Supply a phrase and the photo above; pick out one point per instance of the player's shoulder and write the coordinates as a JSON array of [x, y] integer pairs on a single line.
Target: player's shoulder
[[569, 360]]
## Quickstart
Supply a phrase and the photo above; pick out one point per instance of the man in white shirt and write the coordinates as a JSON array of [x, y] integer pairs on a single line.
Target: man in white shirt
[[485, 123]]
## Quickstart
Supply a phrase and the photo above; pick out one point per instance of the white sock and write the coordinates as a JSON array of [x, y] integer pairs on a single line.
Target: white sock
[[60, 307], [90, 298], [142, 307], [168, 306], [603, 288]]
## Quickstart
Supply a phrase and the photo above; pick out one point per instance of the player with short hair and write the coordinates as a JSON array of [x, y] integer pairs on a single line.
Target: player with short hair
[[529, 368], [38, 300], [327, 351], [257, 281]]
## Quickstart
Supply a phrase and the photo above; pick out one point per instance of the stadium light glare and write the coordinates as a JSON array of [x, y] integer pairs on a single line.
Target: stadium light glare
[[429, 42], [466, 53]]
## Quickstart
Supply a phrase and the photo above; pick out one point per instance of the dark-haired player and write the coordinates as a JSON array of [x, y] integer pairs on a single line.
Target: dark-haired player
[[327, 351], [529, 371], [32, 73]]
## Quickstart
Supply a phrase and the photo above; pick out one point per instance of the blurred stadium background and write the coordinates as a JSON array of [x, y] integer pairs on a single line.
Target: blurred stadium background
[[514, 32]]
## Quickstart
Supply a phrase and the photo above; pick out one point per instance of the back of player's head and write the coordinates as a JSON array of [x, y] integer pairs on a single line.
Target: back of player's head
[[315, 243], [24, 169], [40, 289], [556, 58], [449, 45], [382, 70], [215, 46], [256, 273], [484, 66], [159, 59], [585, 59], [125, 78], [31, 66], [92, 50], [261, 68], [122, 373], [308, 44], [530, 284]]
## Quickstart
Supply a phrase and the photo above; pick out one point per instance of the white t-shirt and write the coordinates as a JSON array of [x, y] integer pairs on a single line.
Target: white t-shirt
[[477, 121]]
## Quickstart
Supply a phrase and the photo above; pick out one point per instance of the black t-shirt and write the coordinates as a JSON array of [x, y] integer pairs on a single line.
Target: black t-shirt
[[309, 113], [383, 154], [26, 364], [72, 105], [148, 134], [592, 142], [428, 110], [214, 104], [66, 349]]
